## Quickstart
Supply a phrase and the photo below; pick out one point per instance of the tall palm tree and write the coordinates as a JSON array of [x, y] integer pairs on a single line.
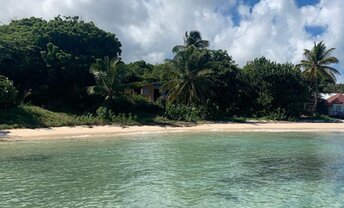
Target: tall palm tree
[[193, 38], [189, 83], [316, 66], [108, 75]]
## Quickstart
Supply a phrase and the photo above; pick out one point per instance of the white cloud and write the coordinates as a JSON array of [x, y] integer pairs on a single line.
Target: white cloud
[[149, 29]]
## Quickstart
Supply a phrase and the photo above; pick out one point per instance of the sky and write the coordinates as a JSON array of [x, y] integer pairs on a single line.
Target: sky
[[148, 29]]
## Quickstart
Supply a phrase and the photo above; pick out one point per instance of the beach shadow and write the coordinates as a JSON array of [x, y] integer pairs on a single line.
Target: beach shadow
[[164, 124], [3, 135], [255, 123]]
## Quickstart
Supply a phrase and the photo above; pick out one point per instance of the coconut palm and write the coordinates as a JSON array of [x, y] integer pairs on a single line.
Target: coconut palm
[[193, 38], [108, 75], [189, 83], [316, 66]]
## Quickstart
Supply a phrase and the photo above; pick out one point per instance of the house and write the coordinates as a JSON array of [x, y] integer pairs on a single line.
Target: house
[[129, 91], [335, 105], [151, 91]]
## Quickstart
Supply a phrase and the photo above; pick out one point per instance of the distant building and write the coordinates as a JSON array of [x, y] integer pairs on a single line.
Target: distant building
[[150, 91], [336, 105]]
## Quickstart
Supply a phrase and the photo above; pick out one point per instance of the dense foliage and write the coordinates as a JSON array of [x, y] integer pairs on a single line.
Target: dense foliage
[[109, 75], [275, 89], [8, 93], [52, 58], [68, 65], [190, 78], [333, 88]]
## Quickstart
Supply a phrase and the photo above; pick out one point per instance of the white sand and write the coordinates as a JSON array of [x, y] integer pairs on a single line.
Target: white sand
[[84, 131]]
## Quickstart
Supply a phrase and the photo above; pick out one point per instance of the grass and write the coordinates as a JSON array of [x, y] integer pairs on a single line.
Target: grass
[[28, 116], [37, 117], [321, 118]]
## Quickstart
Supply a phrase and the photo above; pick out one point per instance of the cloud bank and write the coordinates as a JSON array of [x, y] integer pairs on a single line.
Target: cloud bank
[[148, 29]]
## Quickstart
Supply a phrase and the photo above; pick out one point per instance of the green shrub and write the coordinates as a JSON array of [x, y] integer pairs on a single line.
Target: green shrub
[[192, 113], [108, 116], [8, 93], [278, 114], [104, 113], [142, 104], [124, 118]]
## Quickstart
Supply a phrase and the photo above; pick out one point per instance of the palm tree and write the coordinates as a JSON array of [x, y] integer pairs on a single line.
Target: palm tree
[[189, 83], [193, 38], [108, 75], [316, 67]]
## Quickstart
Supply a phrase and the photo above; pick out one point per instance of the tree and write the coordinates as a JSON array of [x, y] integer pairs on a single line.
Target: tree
[[108, 75], [8, 92], [274, 88], [193, 38], [331, 88], [139, 71], [189, 81], [226, 76], [316, 67], [52, 58]]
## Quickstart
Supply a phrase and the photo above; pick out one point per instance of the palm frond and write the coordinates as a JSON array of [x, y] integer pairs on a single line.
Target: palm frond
[[95, 90], [332, 70], [108, 75], [327, 53], [178, 48], [328, 60]]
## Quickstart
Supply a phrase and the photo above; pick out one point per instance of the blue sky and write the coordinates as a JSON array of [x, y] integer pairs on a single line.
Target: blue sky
[[148, 30], [301, 3]]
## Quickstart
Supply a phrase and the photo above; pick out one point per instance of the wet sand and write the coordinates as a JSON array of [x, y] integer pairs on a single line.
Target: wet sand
[[101, 131]]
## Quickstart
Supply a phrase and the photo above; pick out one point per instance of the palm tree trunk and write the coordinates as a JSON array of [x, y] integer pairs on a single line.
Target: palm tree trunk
[[316, 92]]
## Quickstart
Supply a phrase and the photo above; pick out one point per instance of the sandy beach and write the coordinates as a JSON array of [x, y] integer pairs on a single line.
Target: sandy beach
[[101, 131]]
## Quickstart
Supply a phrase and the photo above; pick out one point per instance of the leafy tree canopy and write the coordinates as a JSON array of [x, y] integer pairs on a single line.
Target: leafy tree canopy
[[275, 87], [53, 57]]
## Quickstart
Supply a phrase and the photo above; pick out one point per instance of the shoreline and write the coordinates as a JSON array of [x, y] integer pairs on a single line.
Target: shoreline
[[107, 131]]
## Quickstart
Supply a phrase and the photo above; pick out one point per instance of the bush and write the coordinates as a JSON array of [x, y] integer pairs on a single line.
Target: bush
[[123, 118], [275, 89], [182, 112], [192, 113], [104, 113], [142, 104], [133, 104], [278, 114], [8, 93], [108, 115]]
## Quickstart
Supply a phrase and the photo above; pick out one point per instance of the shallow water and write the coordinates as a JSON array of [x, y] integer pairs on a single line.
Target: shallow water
[[176, 170]]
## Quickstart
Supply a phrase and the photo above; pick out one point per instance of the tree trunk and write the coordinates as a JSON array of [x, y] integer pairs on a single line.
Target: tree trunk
[[316, 92]]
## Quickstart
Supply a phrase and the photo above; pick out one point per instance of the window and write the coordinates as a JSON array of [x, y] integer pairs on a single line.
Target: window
[[146, 91], [337, 107]]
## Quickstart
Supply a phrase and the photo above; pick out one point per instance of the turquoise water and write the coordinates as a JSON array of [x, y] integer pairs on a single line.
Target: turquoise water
[[176, 170]]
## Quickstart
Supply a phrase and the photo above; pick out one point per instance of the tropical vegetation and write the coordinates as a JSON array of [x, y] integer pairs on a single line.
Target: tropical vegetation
[[69, 70], [317, 67]]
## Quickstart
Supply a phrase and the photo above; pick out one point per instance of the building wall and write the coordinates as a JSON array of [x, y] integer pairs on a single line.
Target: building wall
[[148, 92], [129, 92], [336, 110]]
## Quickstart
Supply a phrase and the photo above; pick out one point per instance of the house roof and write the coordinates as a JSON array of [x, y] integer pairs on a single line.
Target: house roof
[[326, 96], [156, 85], [336, 99]]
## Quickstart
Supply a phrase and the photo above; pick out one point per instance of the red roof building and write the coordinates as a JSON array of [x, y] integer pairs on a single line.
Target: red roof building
[[336, 105]]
